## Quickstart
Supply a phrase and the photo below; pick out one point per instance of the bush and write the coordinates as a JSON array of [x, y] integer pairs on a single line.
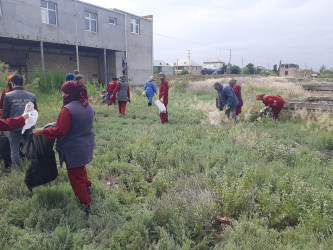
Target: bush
[[47, 81], [180, 84]]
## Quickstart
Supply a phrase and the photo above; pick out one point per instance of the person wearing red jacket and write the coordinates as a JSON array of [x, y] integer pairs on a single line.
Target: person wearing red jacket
[[164, 96], [123, 95], [13, 123], [273, 102], [110, 88], [238, 92], [5, 90]]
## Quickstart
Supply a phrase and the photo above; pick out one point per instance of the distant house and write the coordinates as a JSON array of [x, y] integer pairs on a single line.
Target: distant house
[[308, 73], [212, 66], [189, 65], [161, 66], [289, 70]]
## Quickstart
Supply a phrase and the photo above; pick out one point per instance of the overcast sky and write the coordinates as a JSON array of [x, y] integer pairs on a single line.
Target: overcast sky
[[261, 32]]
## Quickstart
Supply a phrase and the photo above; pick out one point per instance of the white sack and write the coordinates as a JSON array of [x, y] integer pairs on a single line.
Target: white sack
[[33, 116], [215, 118], [160, 106]]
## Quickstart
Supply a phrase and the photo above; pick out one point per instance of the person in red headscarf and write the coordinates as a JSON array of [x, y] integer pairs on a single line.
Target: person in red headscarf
[[6, 90], [74, 127], [238, 92]]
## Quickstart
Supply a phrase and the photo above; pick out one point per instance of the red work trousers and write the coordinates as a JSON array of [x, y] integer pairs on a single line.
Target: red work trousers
[[276, 111], [122, 107], [238, 110], [164, 117], [79, 180], [112, 101]]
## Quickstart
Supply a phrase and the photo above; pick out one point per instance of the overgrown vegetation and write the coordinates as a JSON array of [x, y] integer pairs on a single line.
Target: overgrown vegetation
[[161, 186]]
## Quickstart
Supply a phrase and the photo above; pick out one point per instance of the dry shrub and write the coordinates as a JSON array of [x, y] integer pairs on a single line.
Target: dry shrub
[[202, 106], [203, 85]]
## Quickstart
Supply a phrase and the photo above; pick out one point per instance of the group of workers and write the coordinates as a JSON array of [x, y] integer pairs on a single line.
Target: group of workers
[[230, 98], [119, 91], [74, 126]]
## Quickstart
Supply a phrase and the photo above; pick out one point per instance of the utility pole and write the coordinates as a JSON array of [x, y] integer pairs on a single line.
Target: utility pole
[[242, 64], [189, 60], [229, 62]]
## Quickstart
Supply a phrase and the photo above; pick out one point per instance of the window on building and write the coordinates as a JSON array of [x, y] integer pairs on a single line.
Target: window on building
[[91, 22], [49, 12], [287, 66], [135, 26], [286, 73], [112, 20]]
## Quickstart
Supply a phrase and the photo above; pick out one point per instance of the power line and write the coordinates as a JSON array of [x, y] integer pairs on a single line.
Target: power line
[[184, 40]]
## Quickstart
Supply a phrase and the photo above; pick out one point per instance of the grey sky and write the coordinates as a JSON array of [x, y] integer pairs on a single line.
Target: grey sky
[[261, 32]]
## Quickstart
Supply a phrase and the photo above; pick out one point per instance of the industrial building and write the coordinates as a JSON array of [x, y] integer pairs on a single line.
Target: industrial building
[[101, 43]]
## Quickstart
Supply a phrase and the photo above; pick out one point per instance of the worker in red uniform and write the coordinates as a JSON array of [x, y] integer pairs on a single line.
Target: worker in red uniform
[[74, 127], [110, 88], [163, 96], [273, 102], [13, 123], [6, 90], [238, 92], [123, 94]]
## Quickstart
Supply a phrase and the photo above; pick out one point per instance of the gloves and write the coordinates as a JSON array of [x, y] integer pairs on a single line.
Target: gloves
[[112, 97], [129, 100]]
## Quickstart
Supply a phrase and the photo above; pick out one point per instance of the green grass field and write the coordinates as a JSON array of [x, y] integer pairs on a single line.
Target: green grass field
[[161, 186]]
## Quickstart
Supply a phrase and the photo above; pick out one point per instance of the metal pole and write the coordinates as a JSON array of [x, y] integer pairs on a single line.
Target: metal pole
[[229, 62], [42, 55], [77, 57], [105, 72], [77, 46]]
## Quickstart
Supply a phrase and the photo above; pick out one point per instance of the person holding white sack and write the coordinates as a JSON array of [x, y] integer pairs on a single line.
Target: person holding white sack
[[13, 106], [164, 97]]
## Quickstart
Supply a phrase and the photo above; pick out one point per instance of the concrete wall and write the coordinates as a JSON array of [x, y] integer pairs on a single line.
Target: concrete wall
[[139, 60], [289, 70], [24, 58], [22, 20]]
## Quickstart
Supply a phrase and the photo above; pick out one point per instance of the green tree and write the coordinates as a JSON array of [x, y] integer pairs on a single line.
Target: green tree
[[246, 71], [322, 69], [275, 68], [325, 70], [234, 69], [250, 66], [224, 68]]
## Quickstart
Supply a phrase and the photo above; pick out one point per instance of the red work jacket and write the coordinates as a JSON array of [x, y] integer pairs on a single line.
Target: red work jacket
[[273, 101], [11, 123], [164, 91]]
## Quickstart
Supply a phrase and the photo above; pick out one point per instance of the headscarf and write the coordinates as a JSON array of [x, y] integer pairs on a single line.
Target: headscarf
[[76, 91], [70, 77], [9, 86]]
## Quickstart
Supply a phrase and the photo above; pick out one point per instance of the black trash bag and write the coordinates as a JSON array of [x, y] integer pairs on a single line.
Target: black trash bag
[[5, 151], [43, 168]]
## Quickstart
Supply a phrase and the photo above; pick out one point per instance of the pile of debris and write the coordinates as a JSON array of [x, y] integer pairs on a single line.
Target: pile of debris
[[320, 99]]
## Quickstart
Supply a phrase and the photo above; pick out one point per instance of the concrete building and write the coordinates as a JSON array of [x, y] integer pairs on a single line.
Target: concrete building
[[101, 43], [212, 66], [161, 66], [289, 70], [189, 65]]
